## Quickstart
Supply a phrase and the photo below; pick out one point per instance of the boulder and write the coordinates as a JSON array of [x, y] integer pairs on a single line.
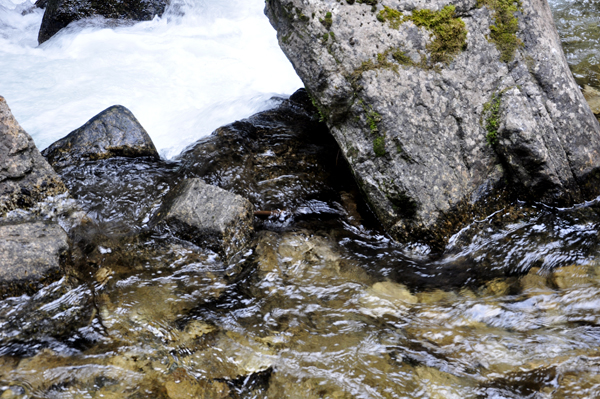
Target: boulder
[[445, 110], [113, 132], [30, 253], [210, 216], [59, 13], [25, 176]]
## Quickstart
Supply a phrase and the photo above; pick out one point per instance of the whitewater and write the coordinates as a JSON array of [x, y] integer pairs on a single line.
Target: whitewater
[[203, 64]]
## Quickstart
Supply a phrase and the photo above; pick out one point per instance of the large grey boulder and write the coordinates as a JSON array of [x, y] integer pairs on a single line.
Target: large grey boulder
[[30, 253], [25, 176], [445, 110], [210, 217], [59, 13], [113, 132]]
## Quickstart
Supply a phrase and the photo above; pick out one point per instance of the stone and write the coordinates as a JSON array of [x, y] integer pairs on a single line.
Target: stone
[[25, 176], [31, 253], [438, 127], [210, 216], [59, 13], [113, 132]]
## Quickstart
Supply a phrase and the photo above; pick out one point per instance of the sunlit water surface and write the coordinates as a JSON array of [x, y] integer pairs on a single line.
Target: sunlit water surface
[[511, 310]]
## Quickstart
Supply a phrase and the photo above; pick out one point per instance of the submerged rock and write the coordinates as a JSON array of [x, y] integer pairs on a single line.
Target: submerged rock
[[113, 132], [30, 253], [442, 113], [211, 216], [59, 13], [25, 176]]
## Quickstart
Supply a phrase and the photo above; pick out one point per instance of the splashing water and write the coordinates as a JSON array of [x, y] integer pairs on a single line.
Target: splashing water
[[202, 65]]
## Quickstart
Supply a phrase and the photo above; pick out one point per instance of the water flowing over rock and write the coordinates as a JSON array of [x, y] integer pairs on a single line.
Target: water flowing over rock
[[59, 13], [445, 110], [113, 132], [25, 176], [211, 216]]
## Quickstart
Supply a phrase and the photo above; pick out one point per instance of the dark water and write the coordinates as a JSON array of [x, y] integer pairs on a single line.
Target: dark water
[[322, 304]]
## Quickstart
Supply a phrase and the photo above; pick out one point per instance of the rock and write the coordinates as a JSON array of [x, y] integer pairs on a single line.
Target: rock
[[113, 132], [442, 127], [59, 13], [30, 253], [25, 176], [283, 159], [41, 3], [211, 217]]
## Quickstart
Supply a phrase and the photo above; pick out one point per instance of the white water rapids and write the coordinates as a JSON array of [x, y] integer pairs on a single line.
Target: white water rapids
[[204, 64]]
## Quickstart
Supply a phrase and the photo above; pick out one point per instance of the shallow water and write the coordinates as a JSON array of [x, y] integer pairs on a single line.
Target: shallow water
[[322, 304]]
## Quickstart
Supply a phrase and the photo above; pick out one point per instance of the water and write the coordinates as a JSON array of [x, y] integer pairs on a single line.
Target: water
[[182, 76], [322, 304]]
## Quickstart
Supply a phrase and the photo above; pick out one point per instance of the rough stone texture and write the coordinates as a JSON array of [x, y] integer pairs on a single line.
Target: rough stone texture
[[211, 216], [438, 169], [25, 176], [30, 253], [113, 132], [59, 13]]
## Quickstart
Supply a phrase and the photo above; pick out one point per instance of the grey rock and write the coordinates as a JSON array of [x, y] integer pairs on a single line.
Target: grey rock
[[414, 130], [210, 216], [113, 132], [25, 176], [30, 254], [59, 13]]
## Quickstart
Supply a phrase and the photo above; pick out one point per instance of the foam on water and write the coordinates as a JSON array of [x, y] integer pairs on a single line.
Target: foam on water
[[202, 65]]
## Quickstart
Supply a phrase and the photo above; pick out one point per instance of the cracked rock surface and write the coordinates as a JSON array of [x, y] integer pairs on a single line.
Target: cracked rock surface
[[433, 143]]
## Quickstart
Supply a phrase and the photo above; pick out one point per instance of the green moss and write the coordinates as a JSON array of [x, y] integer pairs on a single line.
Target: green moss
[[325, 37], [504, 32], [327, 21], [379, 146], [301, 16], [492, 122], [286, 38], [393, 17], [450, 32]]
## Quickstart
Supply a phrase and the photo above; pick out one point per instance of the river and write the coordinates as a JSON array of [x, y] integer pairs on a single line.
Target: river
[[323, 306]]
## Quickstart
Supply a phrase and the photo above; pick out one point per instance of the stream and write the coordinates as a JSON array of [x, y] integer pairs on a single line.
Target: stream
[[322, 304]]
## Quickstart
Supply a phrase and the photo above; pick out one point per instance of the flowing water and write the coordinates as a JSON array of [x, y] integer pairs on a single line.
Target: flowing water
[[322, 304]]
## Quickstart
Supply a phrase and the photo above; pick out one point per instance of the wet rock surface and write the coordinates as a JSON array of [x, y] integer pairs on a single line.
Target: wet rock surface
[[113, 132], [59, 13], [435, 113], [25, 176], [30, 253], [210, 216], [320, 304]]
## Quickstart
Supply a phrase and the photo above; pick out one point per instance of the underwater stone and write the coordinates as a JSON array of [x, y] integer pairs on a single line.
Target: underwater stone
[[59, 13], [25, 176], [113, 132], [433, 169], [210, 216], [29, 254]]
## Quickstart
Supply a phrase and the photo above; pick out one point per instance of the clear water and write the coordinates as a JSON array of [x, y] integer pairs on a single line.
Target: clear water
[[204, 64], [510, 310]]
